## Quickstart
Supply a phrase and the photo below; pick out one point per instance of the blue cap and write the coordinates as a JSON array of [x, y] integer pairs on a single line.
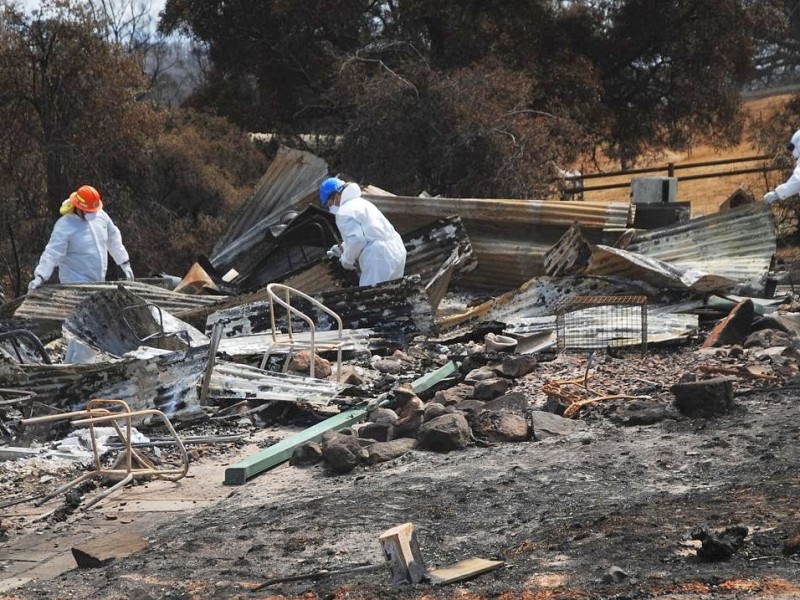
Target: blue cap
[[328, 188]]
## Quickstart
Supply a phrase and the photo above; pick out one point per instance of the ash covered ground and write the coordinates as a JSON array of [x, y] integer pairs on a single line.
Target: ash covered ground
[[616, 509]]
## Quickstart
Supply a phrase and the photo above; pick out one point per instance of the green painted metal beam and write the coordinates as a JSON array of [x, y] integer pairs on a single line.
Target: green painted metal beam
[[276, 454], [426, 382]]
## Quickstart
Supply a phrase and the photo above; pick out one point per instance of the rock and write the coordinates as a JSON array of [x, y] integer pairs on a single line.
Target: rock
[[480, 374], [792, 545], [385, 451], [614, 575], [489, 389], [767, 338], [445, 433], [350, 375], [379, 432], [389, 365], [518, 365], [301, 363], [454, 395], [705, 398], [342, 453], [642, 413], [501, 426], [383, 416], [306, 454], [433, 410], [547, 425], [717, 547], [471, 407], [515, 402]]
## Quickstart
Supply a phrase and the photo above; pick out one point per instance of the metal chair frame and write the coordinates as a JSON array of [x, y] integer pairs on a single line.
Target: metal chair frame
[[134, 464]]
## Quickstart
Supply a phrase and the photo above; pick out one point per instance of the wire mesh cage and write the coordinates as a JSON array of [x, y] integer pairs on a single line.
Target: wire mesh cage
[[591, 322]]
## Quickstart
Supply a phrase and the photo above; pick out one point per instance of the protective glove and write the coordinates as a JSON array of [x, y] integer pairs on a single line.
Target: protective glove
[[335, 251], [37, 281], [126, 268], [348, 266], [770, 197]]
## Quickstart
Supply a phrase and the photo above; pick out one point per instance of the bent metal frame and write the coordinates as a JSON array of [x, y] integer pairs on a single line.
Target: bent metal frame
[[133, 465]]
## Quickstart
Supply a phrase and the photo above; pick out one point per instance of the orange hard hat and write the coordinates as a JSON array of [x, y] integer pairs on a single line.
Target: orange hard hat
[[86, 199]]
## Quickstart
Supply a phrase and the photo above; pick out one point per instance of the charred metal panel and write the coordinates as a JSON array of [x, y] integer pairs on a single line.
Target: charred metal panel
[[737, 244], [292, 177], [55, 302], [614, 261], [118, 321], [241, 382], [399, 306], [570, 255], [287, 249], [442, 243], [166, 382], [255, 345]]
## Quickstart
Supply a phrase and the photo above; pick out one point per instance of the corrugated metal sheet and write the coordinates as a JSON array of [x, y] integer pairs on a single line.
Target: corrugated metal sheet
[[167, 382], [292, 177], [738, 244], [241, 346], [598, 215], [240, 382], [55, 302], [116, 322], [613, 261], [509, 237]]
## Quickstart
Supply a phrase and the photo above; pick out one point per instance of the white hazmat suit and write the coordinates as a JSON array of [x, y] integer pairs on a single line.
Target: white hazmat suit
[[369, 239], [80, 248], [792, 185]]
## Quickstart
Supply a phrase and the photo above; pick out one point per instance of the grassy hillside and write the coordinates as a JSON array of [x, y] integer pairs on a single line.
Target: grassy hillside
[[707, 194]]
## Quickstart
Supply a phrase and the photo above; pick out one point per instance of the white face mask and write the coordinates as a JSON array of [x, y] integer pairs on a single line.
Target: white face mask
[[333, 209]]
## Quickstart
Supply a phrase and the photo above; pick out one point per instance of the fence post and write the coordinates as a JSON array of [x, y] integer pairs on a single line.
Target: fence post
[[671, 170]]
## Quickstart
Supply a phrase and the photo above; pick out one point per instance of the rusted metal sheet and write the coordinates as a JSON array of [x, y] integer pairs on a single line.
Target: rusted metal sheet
[[55, 302], [241, 382], [737, 244], [509, 237], [291, 179], [613, 261], [533, 213]]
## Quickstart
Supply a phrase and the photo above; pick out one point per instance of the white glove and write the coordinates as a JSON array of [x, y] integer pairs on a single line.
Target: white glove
[[37, 281], [770, 197], [126, 268], [335, 251], [348, 266]]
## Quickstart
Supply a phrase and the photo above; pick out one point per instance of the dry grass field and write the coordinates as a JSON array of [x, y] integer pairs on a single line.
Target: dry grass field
[[706, 195]]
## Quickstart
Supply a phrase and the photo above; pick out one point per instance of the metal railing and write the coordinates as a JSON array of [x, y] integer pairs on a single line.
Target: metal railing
[[273, 290]]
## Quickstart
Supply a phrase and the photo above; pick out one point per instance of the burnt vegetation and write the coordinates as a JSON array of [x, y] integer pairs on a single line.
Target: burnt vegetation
[[454, 98]]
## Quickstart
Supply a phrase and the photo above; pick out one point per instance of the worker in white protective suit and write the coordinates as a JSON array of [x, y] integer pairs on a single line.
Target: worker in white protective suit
[[80, 243], [792, 185], [368, 239]]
